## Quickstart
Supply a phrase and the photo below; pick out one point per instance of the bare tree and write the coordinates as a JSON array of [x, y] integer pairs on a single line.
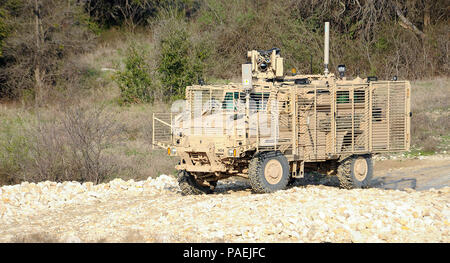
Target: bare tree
[[90, 132], [405, 22], [45, 33], [130, 13], [38, 75]]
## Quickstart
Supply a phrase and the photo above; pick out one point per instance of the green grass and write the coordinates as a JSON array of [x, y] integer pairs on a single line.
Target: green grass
[[135, 152], [430, 105], [417, 153]]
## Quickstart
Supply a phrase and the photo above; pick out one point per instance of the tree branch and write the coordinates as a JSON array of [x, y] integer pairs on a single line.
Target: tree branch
[[405, 22]]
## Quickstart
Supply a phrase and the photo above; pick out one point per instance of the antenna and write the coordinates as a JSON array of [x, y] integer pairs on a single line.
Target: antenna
[[326, 50]]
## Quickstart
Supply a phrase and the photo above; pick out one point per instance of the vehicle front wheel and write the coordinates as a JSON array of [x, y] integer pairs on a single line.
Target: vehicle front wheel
[[190, 186], [268, 172]]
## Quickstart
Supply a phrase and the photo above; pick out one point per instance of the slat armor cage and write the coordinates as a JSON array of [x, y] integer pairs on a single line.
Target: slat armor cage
[[312, 122]]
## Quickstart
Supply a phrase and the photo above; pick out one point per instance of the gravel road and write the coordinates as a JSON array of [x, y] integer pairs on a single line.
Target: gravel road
[[408, 203]]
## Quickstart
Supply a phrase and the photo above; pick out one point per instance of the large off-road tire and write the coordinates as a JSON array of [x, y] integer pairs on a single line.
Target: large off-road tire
[[355, 171], [189, 185], [268, 172]]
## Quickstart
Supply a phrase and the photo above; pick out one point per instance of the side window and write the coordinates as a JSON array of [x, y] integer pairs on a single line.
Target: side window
[[359, 96], [258, 100], [342, 96], [227, 103], [230, 100]]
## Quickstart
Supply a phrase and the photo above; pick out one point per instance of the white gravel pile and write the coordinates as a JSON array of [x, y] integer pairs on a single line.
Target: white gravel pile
[[26, 198], [156, 210]]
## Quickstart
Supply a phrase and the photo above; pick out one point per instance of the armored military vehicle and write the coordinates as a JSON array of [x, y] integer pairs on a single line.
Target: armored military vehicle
[[273, 127]]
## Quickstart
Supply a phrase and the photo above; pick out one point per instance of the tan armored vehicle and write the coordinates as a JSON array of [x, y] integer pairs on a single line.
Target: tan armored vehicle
[[272, 127]]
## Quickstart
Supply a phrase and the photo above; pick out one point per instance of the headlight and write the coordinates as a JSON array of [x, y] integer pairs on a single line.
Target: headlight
[[171, 151], [232, 152]]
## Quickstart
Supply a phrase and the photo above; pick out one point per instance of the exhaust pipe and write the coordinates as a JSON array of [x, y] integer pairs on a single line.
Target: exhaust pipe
[[326, 50]]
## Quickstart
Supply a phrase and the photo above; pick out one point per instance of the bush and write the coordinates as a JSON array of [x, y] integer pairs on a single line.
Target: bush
[[3, 29], [90, 133], [180, 60], [69, 146], [134, 81], [15, 149]]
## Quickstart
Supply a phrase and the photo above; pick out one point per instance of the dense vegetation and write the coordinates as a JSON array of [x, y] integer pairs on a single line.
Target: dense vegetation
[[192, 39]]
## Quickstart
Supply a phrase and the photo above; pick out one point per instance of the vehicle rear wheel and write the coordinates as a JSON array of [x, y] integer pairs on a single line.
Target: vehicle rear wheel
[[355, 171], [190, 186], [268, 172]]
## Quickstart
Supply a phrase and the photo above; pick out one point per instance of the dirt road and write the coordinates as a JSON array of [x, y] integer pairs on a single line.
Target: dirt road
[[418, 174], [154, 210]]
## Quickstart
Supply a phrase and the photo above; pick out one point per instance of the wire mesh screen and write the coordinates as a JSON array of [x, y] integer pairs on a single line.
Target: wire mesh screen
[[389, 116], [222, 111], [162, 129], [351, 103], [314, 122]]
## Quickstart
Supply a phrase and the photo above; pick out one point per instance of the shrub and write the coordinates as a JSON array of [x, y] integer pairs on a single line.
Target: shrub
[[15, 149], [90, 133], [3, 29], [180, 60], [134, 81], [69, 146]]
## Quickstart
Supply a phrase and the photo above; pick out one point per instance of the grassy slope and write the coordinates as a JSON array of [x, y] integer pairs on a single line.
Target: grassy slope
[[430, 104]]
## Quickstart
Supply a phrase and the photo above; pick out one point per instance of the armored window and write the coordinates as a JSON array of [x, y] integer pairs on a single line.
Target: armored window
[[233, 100], [359, 96], [342, 97], [258, 100]]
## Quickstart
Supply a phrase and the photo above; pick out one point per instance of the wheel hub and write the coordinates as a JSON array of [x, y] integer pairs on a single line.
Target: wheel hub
[[273, 172], [360, 169]]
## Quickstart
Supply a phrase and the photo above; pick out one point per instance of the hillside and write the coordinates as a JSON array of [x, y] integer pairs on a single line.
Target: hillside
[[174, 43]]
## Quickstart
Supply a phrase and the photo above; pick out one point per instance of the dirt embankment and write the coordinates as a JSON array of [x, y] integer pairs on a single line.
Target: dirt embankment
[[154, 210]]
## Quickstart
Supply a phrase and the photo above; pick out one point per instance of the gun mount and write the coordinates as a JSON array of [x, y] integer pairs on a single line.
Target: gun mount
[[266, 64]]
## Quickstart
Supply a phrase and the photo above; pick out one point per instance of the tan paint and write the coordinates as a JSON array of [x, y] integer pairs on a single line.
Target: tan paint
[[327, 119]]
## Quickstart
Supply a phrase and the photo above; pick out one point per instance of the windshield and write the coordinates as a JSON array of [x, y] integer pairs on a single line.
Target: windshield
[[232, 100]]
